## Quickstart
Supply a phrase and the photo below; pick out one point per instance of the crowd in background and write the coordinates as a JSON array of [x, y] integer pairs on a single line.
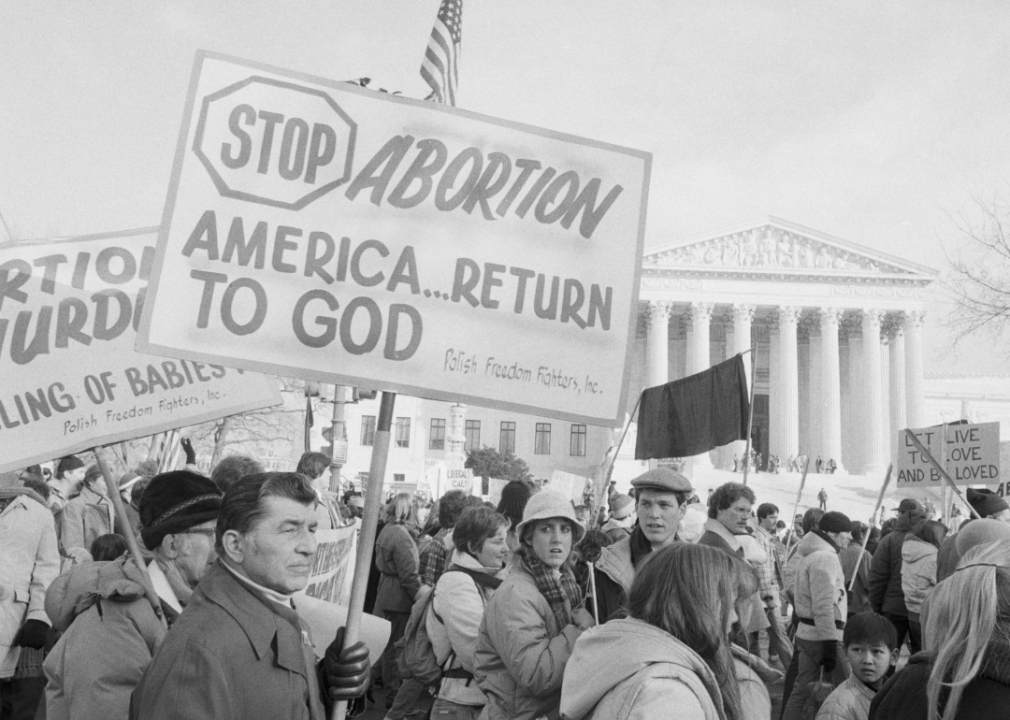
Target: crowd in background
[[654, 605]]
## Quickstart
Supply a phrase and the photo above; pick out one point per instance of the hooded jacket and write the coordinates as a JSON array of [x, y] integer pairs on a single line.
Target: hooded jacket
[[987, 697], [918, 571], [820, 589], [886, 594], [110, 634], [521, 653], [630, 670]]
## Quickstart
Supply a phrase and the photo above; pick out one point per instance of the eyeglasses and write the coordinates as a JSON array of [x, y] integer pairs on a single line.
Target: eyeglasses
[[197, 531]]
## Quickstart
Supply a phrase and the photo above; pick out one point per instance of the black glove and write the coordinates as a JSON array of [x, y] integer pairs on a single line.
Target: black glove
[[346, 670], [32, 635], [829, 654], [187, 447]]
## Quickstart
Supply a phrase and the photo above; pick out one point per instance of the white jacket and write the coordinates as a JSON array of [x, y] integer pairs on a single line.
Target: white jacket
[[820, 590]]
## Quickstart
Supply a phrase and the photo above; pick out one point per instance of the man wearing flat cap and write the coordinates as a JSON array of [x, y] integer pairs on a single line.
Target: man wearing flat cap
[[660, 497], [886, 595]]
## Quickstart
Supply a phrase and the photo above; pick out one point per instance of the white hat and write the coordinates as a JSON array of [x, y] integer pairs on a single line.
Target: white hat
[[548, 504]]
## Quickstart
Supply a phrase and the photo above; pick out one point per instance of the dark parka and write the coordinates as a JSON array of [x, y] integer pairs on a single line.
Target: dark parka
[[886, 594]]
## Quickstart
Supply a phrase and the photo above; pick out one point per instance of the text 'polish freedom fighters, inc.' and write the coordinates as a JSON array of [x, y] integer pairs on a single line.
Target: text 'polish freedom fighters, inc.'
[[324, 231]]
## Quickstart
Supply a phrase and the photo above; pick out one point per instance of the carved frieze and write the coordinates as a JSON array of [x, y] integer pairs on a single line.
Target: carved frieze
[[772, 247]]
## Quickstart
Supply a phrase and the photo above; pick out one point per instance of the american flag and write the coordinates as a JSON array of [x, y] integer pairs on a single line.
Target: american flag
[[440, 67]]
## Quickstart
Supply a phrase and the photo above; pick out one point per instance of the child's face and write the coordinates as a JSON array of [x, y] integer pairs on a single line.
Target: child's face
[[869, 661]]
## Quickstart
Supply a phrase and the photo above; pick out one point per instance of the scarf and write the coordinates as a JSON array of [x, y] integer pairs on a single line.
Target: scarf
[[563, 595]]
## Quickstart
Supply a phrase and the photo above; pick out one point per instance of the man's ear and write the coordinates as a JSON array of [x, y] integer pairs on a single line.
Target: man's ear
[[894, 657], [233, 544], [170, 546]]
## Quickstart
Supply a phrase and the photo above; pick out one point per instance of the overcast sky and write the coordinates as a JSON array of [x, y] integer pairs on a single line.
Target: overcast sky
[[870, 121]]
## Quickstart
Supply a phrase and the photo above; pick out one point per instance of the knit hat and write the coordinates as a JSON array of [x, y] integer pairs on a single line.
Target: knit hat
[[514, 497], [834, 522], [985, 502], [980, 532], [621, 506], [548, 504], [68, 464], [176, 501]]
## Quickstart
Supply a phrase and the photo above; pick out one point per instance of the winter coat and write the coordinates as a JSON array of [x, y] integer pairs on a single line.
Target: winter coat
[[521, 652], [615, 571], [987, 697], [459, 604], [29, 562], [886, 594], [233, 654], [856, 560], [849, 701], [85, 517], [397, 560], [820, 590], [718, 536], [615, 531], [110, 634], [918, 571], [631, 670]]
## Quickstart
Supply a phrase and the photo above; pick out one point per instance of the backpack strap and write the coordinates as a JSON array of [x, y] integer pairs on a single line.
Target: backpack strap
[[480, 578]]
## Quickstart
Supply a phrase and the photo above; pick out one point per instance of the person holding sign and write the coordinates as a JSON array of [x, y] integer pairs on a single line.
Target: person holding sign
[[533, 620], [240, 649]]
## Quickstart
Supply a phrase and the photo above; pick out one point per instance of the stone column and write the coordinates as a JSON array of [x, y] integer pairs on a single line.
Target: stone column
[[659, 339], [743, 317], [898, 403], [789, 382], [873, 411], [916, 416], [831, 389], [699, 355]]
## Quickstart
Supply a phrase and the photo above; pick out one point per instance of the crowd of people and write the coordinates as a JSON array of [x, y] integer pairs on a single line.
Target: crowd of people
[[538, 606]]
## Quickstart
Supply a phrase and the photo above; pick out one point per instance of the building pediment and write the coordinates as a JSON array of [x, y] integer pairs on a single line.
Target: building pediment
[[779, 247]]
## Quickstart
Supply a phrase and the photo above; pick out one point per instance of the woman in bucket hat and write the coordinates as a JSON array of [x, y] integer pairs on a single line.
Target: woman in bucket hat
[[535, 617]]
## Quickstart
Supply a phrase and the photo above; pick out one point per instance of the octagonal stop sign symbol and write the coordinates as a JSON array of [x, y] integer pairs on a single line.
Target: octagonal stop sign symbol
[[274, 142]]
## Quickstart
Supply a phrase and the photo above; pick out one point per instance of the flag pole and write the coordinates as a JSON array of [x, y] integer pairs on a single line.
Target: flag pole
[[598, 495], [866, 535], [366, 534], [750, 414], [943, 473]]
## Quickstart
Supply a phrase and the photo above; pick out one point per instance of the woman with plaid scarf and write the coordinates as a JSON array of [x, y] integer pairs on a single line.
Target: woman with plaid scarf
[[534, 618]]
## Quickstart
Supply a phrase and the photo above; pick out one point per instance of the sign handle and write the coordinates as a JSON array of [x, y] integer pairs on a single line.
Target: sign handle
[[943, 473], [866, 535], [366, 534], [112, 488], [592, 590], [796, 505]]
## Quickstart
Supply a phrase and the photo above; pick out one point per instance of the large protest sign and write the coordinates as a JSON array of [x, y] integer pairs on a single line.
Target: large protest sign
[[969, 453], [326, 231], [71, 378], [333, 568], [570, 485]]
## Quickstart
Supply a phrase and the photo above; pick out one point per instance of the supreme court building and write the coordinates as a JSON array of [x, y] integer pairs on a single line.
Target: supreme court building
[[835, 330]]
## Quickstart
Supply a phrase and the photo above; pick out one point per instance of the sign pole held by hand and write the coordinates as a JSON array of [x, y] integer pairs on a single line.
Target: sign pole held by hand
[[592, 590], [366, 536], [112, 489], [866, 535], [943, 473]]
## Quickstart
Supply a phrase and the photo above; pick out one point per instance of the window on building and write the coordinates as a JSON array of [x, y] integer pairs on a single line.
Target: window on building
[[436, 438], [472, 435], [399, 477], [403, 432], [367, 429], [542, 442], [577, 445], [507, 438]]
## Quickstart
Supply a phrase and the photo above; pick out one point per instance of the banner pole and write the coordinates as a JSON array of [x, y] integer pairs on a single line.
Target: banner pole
[[598, 495], [366, 534], [866, 535], [112, 490], [750, 414], [796, 505], [943, 473]]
